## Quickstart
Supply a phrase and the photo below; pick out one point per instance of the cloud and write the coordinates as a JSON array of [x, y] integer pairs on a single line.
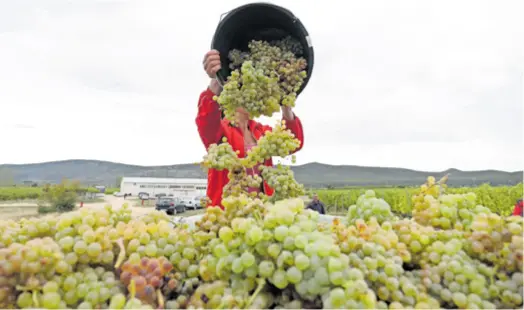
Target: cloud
[[414, 84]]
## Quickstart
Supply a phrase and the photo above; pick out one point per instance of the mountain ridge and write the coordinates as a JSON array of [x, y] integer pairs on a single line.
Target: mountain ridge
[[313, 174]]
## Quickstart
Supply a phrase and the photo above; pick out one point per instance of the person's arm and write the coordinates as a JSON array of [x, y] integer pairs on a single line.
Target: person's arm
[[322, 208], [209, 118], [294, 125], [308, 206]]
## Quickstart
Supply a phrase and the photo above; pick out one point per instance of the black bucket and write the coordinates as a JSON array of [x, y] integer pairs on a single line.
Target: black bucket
[[259, 21]]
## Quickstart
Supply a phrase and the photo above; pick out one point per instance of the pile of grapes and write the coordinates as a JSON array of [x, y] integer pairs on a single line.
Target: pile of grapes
[[263, 78]]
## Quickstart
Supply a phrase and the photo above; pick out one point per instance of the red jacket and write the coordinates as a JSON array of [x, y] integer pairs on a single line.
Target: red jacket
[[212, 128], [518, 208]]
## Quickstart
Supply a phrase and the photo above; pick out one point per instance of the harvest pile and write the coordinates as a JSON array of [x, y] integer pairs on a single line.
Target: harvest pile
[[267, 252]]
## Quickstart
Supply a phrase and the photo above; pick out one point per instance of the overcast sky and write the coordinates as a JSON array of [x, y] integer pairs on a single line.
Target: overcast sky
[[415, 84]]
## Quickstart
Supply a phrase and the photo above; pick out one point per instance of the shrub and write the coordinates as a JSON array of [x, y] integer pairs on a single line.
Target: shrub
[[61, 197]]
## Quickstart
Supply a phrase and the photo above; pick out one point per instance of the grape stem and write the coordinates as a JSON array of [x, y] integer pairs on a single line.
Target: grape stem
[[257, 216], [160, 298], [132, 288], [23, 288], [122, 254], [492, 275], [35, 299], [261, 283]]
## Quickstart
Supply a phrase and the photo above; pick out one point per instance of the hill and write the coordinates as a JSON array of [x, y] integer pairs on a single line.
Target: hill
[[92, 172]]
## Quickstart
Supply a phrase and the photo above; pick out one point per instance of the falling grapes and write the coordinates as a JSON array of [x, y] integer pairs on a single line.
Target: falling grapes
[[278, 142], [281, 179], [268, 75], [220, 156]]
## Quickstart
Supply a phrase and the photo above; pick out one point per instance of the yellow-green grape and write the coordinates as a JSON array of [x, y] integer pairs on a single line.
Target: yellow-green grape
[[281, 179], [278, 142], [220, 156]]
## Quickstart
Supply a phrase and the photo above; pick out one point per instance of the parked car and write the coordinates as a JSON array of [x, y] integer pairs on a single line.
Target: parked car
[[198, 201], [169, 205], [160, 195], [191, 203], [118, 194], [143, 196]]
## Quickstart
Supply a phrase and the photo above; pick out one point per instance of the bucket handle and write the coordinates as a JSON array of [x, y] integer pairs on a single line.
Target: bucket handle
[[223, 14], [219, 82]]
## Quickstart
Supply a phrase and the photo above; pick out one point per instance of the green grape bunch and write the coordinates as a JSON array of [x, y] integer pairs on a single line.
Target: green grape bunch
[[239, 182], [496, 240], [251, 90], [265, 77], [367, 206], [282, 62], [281, 179], [278, 142], [220, 156]]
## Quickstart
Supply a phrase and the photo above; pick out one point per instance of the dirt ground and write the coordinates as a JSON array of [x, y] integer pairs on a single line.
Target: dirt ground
[[17, 210]]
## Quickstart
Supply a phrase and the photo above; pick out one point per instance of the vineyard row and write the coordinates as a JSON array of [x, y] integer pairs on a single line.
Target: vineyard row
[[500, 199]]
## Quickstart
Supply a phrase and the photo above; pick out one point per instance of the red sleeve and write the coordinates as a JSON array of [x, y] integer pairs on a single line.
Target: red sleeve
[[518, 209], [208, 119], [295, 126]]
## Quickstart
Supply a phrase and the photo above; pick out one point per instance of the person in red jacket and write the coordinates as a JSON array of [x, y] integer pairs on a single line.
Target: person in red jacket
[[242, 136], [518, 208]]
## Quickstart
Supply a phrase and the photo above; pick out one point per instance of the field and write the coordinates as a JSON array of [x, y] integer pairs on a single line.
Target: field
[[29, 208], [12, 193], [499, 199]]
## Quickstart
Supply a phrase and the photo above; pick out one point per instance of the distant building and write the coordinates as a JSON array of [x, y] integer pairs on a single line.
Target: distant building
[[153, 186]]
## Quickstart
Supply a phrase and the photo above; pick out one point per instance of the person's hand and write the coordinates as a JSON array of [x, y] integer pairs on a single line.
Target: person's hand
[[212, 63], [287, 113]]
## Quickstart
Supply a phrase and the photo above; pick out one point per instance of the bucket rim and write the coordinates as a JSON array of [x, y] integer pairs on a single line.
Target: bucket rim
[[224, 17]]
